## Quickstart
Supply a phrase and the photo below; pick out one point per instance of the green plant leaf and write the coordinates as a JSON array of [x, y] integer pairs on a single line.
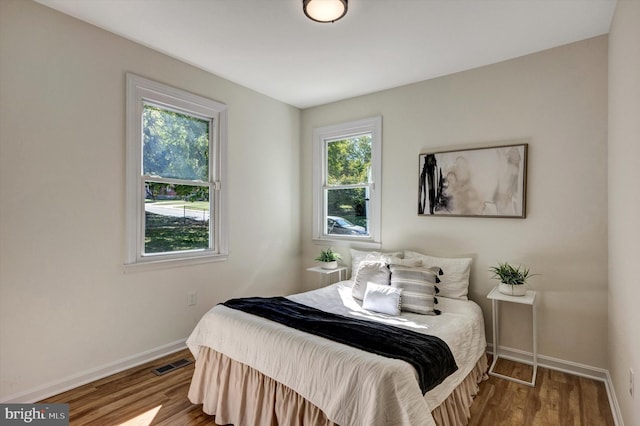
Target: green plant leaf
[[509, 274], [328, 255]]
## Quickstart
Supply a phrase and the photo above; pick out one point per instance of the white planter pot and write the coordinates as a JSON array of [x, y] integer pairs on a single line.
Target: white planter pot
[[330, 265], [513, 290]]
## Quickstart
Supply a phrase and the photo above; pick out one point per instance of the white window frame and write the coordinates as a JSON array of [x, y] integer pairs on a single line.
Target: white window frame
[[141, 91], [324, 135]]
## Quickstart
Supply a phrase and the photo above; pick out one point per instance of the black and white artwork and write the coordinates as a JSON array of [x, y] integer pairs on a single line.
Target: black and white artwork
[[487, 182]]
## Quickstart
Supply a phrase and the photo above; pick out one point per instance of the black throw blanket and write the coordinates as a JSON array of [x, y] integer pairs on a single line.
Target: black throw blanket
[[429, 355]]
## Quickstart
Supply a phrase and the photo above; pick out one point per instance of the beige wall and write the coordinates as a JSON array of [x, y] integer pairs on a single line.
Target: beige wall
[[558, 100], [624, 205], [66, 306]]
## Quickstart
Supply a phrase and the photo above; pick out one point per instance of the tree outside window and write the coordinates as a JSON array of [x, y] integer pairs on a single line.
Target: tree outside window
[[175, 148], [348, 178]]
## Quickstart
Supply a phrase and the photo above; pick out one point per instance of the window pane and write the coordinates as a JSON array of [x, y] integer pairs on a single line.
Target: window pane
[[349, 160], [176, 217], [174, 145], [347, 212]]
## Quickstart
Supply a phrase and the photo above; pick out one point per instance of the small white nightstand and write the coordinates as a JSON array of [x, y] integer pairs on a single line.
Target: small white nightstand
[[528, 299], [325, 274]]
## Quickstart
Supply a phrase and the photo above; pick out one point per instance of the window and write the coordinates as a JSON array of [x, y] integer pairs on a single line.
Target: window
[[175, 157], [346, 182]]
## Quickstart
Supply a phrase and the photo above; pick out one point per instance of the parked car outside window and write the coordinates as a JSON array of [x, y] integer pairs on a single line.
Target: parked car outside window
[[340, 225]]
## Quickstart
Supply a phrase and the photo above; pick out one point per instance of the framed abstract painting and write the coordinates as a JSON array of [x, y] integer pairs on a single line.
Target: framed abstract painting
[[479, 182]]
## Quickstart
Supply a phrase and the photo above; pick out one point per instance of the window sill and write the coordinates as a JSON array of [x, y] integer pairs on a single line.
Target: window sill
[[152, 265], [349, 242]]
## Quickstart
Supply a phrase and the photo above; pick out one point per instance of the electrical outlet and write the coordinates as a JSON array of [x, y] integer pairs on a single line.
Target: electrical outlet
[[192, 298], [631, 381]]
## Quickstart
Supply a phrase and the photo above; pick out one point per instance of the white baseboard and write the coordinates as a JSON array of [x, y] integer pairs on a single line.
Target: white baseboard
[[569, 367], [613, 401], [54, 388]]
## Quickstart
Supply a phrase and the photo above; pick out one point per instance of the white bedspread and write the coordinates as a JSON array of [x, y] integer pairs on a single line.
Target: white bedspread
[[352, 387]]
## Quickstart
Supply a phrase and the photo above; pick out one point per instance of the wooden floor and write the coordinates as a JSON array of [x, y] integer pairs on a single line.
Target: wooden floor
[[139, 397], [136, 397], [557, 399]]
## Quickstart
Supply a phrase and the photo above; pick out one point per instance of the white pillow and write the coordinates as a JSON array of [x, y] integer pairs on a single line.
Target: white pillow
[[411, 263], [370, 271], [358, 256], [382, 298], [454, 283]]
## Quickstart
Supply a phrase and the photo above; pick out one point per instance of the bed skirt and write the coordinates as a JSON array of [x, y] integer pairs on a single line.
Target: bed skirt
[[240, 395]]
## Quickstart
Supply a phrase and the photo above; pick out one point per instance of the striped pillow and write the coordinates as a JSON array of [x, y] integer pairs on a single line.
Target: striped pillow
[[418, 289]]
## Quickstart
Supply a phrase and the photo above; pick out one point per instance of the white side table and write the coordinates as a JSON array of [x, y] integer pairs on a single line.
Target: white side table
[[528, 299], [325, 274]]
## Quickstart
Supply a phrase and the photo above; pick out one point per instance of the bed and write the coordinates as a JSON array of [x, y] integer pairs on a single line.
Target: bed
[[252, 371]]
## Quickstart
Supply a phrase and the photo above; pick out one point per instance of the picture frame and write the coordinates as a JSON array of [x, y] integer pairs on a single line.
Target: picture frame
[[479, 182]]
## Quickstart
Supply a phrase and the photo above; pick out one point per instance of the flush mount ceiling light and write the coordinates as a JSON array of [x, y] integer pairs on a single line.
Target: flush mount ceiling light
[[324, 10]]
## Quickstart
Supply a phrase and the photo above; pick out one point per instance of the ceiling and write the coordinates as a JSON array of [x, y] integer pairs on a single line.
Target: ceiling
[[272, 48]]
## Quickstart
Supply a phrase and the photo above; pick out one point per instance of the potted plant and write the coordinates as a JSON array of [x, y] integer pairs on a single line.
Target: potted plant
[[329, 258], [512, 278]]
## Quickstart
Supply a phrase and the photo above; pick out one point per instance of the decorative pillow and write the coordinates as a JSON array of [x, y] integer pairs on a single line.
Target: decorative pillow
[[358, 256], [369, 271], [455, 281], [419, 289], [382, 298]]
